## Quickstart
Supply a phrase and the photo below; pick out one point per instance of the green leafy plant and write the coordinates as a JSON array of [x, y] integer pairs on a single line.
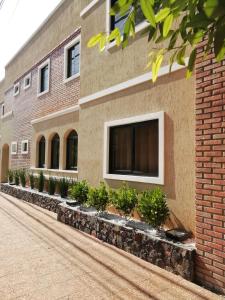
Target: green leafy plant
[[10, 176], [124, 199], [22, 175], [175, 29], [153, 207], [79, 191], [41, 182], [98, 197], [31, 179], [64, 187], [51, 185], [17, 177]]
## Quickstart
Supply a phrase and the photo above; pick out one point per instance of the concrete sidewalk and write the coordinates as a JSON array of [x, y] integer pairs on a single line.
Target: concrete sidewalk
[[41, 258]]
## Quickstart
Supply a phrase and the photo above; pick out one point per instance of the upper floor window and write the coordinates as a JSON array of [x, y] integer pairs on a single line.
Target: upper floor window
[[134, 149], [55, 151], [41, 153], [24, 147], [72, 59], [27, 81], [118, 21], [71, 151], [43, 77], [16, 89], [14, 148], [3, 110]]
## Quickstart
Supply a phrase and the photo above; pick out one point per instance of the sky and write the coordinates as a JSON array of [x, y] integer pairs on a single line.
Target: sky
[[18, 20]]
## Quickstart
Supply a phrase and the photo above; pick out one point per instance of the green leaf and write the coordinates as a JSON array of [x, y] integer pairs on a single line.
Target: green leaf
[[214, 8], [180, 56], [167, 25], [156, 66], [148, 11], [191, 63], [162, 14], [219, 43], [94, 40]]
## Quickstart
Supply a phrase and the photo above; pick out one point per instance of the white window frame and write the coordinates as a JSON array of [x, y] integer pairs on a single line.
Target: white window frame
[[28, 76], [16, 93], [22, 144], [3, 110], [45, 63], [136, 119], [138, 27], [14, 152], [66, 48]]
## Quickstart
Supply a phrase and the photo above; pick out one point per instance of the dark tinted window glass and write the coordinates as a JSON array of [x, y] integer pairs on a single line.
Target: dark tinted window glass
[[44, 78], [55, 152], [134, 149], [73, 60], [41, 160], [71, 151]]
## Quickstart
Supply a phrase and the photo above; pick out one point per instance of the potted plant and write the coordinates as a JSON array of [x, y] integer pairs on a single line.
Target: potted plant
[[51, 185], [98, 197], [31, 179], [10, 177], [41, 182], [22, 175], [79, 192], [63, 187]]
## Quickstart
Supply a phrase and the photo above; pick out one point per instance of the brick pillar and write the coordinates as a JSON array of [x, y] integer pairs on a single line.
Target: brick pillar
[[210, 171]]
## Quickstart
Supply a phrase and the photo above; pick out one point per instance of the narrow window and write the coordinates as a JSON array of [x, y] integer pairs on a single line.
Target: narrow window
[[27, 81], [71, 151], [134, 149], [73, 60], [3, 110], [55, 152], [41, 158], [44, 79], [24, 147], [16, 90]]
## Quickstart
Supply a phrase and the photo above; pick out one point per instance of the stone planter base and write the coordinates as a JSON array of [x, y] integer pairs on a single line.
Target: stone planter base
[[40, 199], [175, 257]]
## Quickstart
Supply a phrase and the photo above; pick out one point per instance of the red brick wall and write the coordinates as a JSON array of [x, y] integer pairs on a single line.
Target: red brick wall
[[210, 171], [27, 106]]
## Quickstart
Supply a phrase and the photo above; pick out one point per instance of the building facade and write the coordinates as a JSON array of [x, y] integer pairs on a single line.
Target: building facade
[[70, 111]]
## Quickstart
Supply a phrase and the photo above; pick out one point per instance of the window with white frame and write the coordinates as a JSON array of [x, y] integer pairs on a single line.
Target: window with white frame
[[27, 81], [134, 149], [72, 59], [3, 110], [14, 148], [24, 147], [43, 77], [16, 89]]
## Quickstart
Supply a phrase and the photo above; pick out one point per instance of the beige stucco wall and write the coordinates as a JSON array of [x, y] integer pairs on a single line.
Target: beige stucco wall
[[63, 126], [63, 22], [175, 96]]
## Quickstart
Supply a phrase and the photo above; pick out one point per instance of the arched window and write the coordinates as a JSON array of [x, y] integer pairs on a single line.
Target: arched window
[[55, 152], [71, 151], [41, 155]]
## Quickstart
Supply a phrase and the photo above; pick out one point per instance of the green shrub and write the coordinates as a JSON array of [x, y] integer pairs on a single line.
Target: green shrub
[[10, 176], [22, 175], [63, 187], [52, 185], [153, 207], [79, 191], [16, 177], [41, 182], [124, 199], [31, 179], [98, 197]]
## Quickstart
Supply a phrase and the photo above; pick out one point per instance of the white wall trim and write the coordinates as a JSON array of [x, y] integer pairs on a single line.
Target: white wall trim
[[135, 119], [22, 145], [8, 114], [13, 151], [130, 83], [69, 45], [56, 114], [40, 67], [88, 8]]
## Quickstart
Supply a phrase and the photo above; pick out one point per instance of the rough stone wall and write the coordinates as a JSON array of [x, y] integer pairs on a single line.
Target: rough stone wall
[[210, 171]]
